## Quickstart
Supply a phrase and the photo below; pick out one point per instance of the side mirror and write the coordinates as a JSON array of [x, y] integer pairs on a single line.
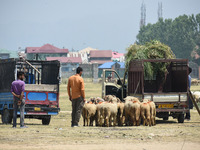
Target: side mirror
[[119, 82]]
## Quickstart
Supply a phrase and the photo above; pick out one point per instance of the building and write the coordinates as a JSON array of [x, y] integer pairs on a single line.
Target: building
[[5, 54], [68, 64], [118, 57], [47, 50], [87, 50], [119, 67], [84, 54], [100, 56]]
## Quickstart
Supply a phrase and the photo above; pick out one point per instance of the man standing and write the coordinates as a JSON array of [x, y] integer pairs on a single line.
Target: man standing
[[17, 90], [76, 92], [187, 117]]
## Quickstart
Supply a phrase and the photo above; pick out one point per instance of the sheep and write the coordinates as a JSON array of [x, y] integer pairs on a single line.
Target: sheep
[[120, 114], [100, 113], [196, 96], [194, 82], [145, 112], [107, 111], [110, 113], [109, 97], [89, 113], [96, 101], [152, 112], [132, 111], [131, 98]]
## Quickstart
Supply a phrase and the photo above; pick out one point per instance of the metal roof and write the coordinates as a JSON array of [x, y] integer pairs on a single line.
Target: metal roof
[[47, 48], [108, 65]]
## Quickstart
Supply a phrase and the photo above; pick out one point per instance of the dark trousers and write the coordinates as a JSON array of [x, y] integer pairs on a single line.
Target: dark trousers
[[190, 107], [77, 105], [15, 108]]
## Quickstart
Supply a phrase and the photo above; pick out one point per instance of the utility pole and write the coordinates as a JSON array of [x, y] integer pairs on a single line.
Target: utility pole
[[160, 10], [143, 15]]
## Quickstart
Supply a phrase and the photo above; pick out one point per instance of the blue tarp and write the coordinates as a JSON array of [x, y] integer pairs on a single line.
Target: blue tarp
[[107, 65]]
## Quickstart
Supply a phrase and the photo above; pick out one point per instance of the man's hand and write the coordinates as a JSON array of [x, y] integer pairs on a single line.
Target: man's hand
[[84, 100], [19, 103], [70, 98]]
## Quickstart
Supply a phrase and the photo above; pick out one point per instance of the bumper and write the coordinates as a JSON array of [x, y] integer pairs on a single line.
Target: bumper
[[40, 111], [172, 110]]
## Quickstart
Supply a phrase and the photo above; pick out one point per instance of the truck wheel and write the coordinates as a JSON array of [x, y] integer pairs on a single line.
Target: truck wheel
[[181, 118], [6, 116], [46, 120], [165, 118]]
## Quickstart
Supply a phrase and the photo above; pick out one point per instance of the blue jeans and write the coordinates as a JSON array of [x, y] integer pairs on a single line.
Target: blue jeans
[[15, 108]]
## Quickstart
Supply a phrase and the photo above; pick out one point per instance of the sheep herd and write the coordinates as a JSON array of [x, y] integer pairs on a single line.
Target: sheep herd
[[111, 111]]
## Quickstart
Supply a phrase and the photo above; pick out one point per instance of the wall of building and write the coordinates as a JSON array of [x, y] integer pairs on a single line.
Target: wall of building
[[42, 56]]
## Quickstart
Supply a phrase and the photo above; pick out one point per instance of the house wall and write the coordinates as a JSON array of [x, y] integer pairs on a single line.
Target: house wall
[[42, 56], [69, 69], [4, 55]]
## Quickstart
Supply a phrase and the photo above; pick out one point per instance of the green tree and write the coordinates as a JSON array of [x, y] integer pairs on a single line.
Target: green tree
[[181, 34]]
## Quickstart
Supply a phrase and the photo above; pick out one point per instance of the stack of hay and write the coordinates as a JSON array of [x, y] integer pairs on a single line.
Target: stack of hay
[[151, 50]]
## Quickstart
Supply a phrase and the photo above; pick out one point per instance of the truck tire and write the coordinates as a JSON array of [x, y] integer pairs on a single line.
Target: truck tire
[[181, 118], [6, 116], [46, 120]]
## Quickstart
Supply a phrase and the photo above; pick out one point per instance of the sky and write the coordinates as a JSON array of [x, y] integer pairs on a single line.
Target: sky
[[77, 24]]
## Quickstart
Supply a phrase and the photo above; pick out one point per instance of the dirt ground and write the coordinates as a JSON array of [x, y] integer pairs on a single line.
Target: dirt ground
[[58, 135]]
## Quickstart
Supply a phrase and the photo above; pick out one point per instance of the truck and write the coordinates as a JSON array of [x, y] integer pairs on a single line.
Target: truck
[[171, 100], [41, 88]]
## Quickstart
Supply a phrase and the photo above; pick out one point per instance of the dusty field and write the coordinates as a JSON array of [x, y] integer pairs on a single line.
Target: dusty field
[[59, 134]]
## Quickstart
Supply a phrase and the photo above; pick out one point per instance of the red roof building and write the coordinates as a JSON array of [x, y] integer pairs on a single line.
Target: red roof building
[[47, 50], [119, 57], [100, 56]]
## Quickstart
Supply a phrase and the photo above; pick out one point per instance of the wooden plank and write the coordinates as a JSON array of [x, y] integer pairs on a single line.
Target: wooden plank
[[193, 101]]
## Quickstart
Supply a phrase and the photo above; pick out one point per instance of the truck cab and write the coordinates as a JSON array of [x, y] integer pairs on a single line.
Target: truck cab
[[41, 88], [170, 95]]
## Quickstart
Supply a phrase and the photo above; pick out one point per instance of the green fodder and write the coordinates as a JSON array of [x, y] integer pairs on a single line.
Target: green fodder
[[151, 50]]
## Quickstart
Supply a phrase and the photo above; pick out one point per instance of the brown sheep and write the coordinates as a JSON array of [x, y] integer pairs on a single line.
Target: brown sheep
[[100, 113], [107, 111], [120, 114], [109, 97], [89, 113], [152, 113], [132, 111], [110, 113], [145, 112]]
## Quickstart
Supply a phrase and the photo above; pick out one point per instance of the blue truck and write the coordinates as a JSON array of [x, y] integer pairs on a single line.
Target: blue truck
[[41, 88]]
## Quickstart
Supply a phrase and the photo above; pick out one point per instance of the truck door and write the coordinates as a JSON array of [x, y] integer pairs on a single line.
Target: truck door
[[50, 72], [7, 76], [111, 83]]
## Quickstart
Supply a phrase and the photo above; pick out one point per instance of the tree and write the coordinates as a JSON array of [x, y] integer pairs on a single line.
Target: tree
[[181, 34]]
